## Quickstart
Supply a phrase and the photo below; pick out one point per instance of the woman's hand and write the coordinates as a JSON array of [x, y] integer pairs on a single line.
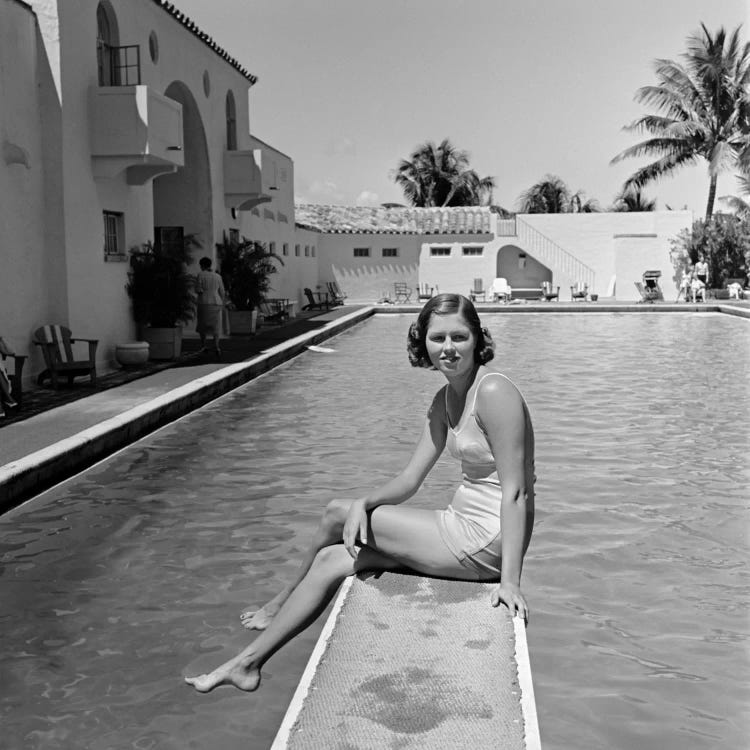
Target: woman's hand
[[510, 595], [355, 526]]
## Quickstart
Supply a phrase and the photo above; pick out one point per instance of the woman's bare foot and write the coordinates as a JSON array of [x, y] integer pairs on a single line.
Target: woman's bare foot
[[259, 619], [238, 672]]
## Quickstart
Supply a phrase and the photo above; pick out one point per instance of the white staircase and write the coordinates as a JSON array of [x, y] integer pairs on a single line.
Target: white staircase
[[566, 269]]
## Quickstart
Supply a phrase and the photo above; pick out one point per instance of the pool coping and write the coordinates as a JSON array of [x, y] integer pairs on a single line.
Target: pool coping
[[27, 476]]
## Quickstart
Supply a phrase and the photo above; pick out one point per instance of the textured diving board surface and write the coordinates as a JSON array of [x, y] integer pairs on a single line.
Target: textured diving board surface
[[412, 662]]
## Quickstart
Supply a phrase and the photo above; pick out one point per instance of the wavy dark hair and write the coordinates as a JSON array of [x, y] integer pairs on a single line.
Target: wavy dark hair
[[448, 304]]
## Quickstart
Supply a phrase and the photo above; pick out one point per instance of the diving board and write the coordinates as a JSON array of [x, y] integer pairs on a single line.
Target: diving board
[[412, 662]]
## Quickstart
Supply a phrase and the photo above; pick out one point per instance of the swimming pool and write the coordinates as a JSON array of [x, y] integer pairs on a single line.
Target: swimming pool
[[116, 582]]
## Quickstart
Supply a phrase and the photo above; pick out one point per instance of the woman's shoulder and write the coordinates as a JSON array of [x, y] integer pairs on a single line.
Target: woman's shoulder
[[494, 387]]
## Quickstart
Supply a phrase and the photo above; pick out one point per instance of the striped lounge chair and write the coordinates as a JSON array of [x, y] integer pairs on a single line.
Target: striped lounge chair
[[55, 342]]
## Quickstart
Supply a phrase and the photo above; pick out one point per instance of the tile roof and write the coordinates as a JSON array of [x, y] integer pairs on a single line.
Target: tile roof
[[392, 220], [204, 37]]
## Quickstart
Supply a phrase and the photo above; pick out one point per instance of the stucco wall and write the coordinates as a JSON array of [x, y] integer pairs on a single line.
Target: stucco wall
[[368, 279], [30, 211], [456, 272], [591, 239]]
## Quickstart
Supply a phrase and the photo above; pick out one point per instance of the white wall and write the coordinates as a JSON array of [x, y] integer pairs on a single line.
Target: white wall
[[456, 272], [32, 260], [368, 279]]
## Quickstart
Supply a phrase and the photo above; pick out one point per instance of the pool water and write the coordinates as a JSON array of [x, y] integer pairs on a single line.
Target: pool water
[[119, 581]]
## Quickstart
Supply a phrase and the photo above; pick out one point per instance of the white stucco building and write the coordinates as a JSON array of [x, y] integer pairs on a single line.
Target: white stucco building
[[121, 122], [367, 249]]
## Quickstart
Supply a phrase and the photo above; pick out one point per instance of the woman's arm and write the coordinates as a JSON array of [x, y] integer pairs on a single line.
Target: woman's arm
[[501, 411], [407, 482]]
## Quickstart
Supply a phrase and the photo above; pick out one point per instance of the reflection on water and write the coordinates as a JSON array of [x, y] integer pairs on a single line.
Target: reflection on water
[[117, 582]]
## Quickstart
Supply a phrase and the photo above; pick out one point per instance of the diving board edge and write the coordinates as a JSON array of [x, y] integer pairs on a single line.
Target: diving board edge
[[298, 699]]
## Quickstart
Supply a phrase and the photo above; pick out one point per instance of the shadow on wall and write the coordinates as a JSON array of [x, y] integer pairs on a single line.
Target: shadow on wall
[[369, 283], [520, 269]]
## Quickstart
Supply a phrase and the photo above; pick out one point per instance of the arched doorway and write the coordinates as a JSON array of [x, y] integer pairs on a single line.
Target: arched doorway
[[107, 41], [183, 199], [520, 269]]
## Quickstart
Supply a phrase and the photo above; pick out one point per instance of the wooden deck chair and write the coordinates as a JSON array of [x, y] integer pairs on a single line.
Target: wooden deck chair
[[401, 291], [272, 314], [14, 375], [580, 290], [549, 292], [478, 291], [315, 304], [501, 290], [55, 342], [335, 295]]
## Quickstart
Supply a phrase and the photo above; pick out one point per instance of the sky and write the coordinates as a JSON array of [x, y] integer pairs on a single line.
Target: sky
[[347, 88]]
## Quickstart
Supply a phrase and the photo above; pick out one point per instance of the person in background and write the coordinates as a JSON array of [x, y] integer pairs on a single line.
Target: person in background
[[211, 295], [483, 535], [701, 270]]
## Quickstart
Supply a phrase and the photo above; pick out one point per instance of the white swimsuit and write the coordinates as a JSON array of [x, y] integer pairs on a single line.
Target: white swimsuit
[[470, 525]]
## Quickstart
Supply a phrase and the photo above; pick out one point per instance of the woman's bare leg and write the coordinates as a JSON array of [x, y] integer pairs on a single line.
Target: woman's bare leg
[[329, 532], [304, 604], [397, 537]]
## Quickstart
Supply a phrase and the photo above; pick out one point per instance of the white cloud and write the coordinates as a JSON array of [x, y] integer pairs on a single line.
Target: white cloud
[[368, 198]]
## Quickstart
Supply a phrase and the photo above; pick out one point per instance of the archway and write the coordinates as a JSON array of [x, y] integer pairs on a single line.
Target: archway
[[520, 269], [183, 199]]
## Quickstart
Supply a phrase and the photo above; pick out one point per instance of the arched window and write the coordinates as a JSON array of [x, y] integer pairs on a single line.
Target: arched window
[[231, 123], [106, 39]]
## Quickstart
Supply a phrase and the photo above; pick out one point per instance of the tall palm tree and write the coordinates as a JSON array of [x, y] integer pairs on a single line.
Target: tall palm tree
[[552, 196], [703, 110], [440, 176]]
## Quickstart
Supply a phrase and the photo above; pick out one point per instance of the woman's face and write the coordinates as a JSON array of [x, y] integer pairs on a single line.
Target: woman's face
[[450, 344]]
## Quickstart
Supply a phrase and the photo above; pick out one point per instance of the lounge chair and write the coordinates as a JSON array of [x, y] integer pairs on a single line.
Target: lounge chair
[[316, 304], [272, 312], [580, 290], [15, 375], [335, 295], [649, 289], [548, 293], [500, 290], [425, 291], [401, 292], [55, 342], [478, 291]]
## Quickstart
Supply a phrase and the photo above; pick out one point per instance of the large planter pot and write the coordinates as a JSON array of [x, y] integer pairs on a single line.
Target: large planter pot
[[164, 343], [242, 322], [132, 354]]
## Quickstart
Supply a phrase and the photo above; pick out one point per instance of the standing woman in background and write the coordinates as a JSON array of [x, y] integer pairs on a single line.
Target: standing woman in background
[[211, 294]]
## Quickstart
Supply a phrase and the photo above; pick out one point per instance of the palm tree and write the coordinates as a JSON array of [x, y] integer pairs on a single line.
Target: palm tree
[[632, 199], [704, 111], [440, 176], [552, 196], [548, 196], [740, 204]]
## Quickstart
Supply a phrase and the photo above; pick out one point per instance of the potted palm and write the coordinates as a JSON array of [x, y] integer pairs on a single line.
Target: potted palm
[[245, 267], [162, 293]]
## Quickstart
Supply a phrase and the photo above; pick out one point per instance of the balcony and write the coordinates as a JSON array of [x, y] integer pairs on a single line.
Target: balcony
[[246, 183], [136, 130]]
